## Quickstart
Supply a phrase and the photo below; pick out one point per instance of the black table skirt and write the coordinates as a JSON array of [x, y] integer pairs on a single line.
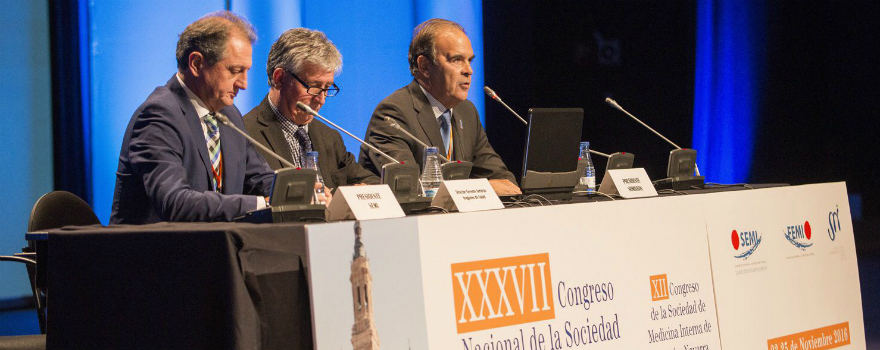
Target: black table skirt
[[178, 286]]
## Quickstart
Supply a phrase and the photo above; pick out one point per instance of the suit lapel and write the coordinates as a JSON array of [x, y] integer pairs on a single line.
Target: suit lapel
[[234, 148], [425, 114], [270, 130], [194, 123], [456, 138]]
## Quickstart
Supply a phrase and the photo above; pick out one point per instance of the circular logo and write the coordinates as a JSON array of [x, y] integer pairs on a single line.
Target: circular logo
[[734, 238], [807, 229]]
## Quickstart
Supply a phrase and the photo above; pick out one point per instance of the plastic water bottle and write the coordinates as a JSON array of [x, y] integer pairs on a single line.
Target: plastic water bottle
[[588, 178], [431, 175], [312, 163]]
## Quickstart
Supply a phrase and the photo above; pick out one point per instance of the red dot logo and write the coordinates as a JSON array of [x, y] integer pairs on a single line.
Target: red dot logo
[[734, 238], [807, 229]]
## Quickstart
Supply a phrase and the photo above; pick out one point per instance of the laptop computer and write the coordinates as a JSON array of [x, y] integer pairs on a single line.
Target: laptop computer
[[551, 152]]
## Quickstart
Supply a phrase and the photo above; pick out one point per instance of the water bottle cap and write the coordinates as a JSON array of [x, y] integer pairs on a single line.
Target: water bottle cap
[[585, 144], [312, 154], [432, 150]]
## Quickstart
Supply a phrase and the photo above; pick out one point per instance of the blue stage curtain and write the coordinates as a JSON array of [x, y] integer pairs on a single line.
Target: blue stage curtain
[[270, 19], [730, 38]]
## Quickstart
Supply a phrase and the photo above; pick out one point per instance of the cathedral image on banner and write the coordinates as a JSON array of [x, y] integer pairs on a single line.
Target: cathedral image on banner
[[363, 332]]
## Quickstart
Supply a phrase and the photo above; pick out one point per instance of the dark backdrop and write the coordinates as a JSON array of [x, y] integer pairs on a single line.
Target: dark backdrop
[[818, 117], [572, 54]]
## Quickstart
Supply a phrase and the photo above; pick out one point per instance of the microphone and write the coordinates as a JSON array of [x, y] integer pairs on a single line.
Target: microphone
[[495, 97], [450, 170], [309, 110], [614, 104], [402, 178], [225, 121], [606, 155], [399, 128]]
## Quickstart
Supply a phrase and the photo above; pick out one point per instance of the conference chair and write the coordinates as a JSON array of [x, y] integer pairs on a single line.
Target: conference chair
[[52, 210]]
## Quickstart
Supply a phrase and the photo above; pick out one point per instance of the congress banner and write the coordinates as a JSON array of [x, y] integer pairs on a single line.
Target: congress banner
[[620, 275]]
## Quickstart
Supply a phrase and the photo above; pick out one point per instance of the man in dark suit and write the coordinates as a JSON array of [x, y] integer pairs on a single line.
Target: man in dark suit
[[177, 162], [301, 68], [434, 108]]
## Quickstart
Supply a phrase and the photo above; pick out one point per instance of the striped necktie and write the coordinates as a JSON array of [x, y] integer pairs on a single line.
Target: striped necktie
[[213, 139]]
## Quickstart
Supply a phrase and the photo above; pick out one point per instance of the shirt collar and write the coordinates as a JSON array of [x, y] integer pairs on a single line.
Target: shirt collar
[[283, 120], [201, 108], [436, 106]]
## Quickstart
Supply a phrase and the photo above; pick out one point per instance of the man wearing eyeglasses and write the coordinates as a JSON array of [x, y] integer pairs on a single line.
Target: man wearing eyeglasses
[[434, 108], [301, 68]]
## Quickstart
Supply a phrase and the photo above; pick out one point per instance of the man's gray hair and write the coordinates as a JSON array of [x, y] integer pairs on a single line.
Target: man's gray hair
[[300, 46], [209, 35], [424, 41]]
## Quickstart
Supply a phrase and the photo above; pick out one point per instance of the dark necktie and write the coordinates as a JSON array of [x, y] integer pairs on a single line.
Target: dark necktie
[[305, 144]]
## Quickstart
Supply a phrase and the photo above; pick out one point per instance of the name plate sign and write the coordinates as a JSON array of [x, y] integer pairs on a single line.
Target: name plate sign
[[364, 203], [467, 195], [629, 183]]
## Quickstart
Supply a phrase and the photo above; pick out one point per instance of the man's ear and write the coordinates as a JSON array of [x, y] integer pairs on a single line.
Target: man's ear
[[423, 63], [196, 63], [278, 78]]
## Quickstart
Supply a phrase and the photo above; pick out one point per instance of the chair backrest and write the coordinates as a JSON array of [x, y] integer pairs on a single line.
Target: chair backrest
[[58, 209]]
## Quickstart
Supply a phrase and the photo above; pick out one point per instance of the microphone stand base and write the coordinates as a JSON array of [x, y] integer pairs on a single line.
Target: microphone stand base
[[288, 213], [411, 205], [692, 183]]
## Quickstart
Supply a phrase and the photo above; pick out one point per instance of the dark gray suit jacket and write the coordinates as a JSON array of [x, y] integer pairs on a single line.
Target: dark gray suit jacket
[[337, 165], [410, 108]]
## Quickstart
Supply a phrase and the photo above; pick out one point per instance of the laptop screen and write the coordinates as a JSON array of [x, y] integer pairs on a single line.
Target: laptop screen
[[553, 140]]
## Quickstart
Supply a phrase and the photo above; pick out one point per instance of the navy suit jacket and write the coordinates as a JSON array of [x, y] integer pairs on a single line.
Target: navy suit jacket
[[165, 172]]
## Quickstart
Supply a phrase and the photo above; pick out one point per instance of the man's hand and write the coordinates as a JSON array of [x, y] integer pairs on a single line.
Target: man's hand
[[327, 193], [504, 187]]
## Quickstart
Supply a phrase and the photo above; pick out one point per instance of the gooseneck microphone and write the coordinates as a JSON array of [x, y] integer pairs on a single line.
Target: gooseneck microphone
[[225, 121], [399, 128], [606, 155], [614, 104], [309, 110], [495, 97]]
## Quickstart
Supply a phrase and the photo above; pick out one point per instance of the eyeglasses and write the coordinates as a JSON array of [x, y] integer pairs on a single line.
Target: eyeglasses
[[316, 91]]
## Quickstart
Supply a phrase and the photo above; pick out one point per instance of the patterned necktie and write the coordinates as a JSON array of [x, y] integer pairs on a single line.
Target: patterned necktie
[[305, 144], [213, 140], [444, 129]]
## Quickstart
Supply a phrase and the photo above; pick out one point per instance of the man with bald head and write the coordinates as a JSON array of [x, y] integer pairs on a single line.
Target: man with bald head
[[434, 108], [178, 162]]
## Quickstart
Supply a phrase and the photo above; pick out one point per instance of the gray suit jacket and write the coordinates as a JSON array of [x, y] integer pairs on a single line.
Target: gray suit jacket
[[337, 165], [410, 108]]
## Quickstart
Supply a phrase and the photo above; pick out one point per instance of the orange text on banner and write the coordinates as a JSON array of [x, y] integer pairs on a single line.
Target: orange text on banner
[[817, 339], [502, 292], [659, 287]]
